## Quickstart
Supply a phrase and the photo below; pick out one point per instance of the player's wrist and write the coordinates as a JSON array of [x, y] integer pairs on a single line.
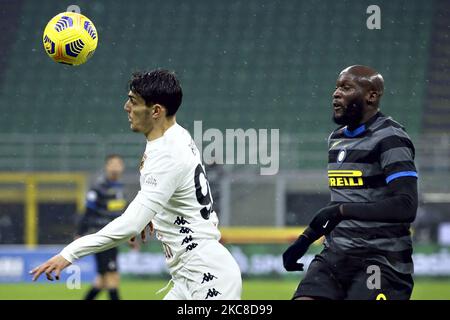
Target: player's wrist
[[309, 235], [325, 220], [67, 255]]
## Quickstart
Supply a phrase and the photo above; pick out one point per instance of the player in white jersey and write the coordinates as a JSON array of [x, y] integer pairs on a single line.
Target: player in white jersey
[[174, 197]]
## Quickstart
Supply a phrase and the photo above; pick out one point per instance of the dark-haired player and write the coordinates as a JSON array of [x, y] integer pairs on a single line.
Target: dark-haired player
[[373, 183], [174, 196]]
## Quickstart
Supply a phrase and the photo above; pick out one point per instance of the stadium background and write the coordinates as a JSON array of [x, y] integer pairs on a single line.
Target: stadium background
[[243, 64]]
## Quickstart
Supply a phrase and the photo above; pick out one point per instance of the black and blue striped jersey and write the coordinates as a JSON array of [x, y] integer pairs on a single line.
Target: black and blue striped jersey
[[361, 164], [105, 201]]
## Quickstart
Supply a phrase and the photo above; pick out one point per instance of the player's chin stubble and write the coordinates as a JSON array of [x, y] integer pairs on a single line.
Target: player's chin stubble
[[133, 128], [352, 114]]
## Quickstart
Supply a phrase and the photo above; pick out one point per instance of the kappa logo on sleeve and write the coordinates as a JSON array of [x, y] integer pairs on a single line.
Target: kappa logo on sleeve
[[150, 181]]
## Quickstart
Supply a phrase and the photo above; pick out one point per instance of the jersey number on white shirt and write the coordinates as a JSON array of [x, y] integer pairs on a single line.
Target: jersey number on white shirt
[[201, 183]]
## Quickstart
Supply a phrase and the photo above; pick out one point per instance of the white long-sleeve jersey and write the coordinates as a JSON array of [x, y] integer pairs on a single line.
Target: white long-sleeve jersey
[[174, 195]]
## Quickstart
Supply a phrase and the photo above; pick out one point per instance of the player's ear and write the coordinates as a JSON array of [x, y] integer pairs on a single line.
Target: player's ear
[[157, 111], [372, 97]]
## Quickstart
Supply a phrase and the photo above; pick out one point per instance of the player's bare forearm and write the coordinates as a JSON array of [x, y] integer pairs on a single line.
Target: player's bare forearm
[[56, 264]]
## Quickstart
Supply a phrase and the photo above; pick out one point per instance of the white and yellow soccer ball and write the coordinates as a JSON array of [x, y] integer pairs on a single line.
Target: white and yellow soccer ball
[[70, 38]]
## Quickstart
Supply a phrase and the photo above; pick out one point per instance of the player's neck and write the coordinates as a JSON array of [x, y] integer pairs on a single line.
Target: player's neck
[[366, 117], [160, 128], [369, 115]]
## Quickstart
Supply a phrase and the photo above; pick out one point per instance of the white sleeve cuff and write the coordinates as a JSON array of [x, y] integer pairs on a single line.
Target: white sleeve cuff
[[67, 255]]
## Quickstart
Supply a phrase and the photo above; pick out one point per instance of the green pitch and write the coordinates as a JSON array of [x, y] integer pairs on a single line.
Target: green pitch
[[146, 289]]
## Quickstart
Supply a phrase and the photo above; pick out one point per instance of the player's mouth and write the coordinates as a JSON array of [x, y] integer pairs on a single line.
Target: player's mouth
[[338, 107]]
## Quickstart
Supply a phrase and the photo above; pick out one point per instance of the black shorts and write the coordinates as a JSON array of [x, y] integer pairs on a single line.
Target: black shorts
[[338, 276], [106, 261]]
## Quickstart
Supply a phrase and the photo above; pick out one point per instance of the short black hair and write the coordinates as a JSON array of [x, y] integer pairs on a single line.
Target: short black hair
[[158, 86]]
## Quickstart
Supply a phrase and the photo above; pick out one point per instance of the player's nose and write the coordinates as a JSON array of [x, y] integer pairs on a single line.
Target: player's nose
[[336, 93]]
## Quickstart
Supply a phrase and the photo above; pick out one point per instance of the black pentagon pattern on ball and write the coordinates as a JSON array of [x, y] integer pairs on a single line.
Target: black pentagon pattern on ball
[[90, 29], [49, 45], [74, 48], [63, 23]]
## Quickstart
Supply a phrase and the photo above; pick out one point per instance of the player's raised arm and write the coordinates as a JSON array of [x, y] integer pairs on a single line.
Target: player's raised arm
[[129, 224], [159, 183]]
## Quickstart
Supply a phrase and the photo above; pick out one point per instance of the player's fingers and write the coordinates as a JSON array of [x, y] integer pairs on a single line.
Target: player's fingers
[[57, 273], [36, 275], [296, 267], [33, 271], [48, 272], [37, 272], [151, 228], [143, 237]]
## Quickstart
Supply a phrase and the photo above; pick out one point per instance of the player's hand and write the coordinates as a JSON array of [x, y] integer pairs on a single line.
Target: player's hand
[[295, 252], [133, 244], [150, 229], [326, 220], [56, 263]]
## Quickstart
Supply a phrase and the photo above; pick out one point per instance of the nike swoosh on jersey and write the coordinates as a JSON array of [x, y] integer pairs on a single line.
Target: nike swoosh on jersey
[[335, 144]]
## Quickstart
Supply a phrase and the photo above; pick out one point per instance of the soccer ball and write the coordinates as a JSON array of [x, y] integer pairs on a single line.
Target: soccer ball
[[70, 38]]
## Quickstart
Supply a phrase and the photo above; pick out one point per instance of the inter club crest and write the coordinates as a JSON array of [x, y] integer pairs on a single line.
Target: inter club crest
[[341, 155]]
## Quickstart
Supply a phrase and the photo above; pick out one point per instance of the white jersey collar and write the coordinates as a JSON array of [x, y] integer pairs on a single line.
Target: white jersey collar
[[172, 129]]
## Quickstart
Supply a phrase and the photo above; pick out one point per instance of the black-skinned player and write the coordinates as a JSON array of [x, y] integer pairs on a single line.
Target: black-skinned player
[[373, 184]]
